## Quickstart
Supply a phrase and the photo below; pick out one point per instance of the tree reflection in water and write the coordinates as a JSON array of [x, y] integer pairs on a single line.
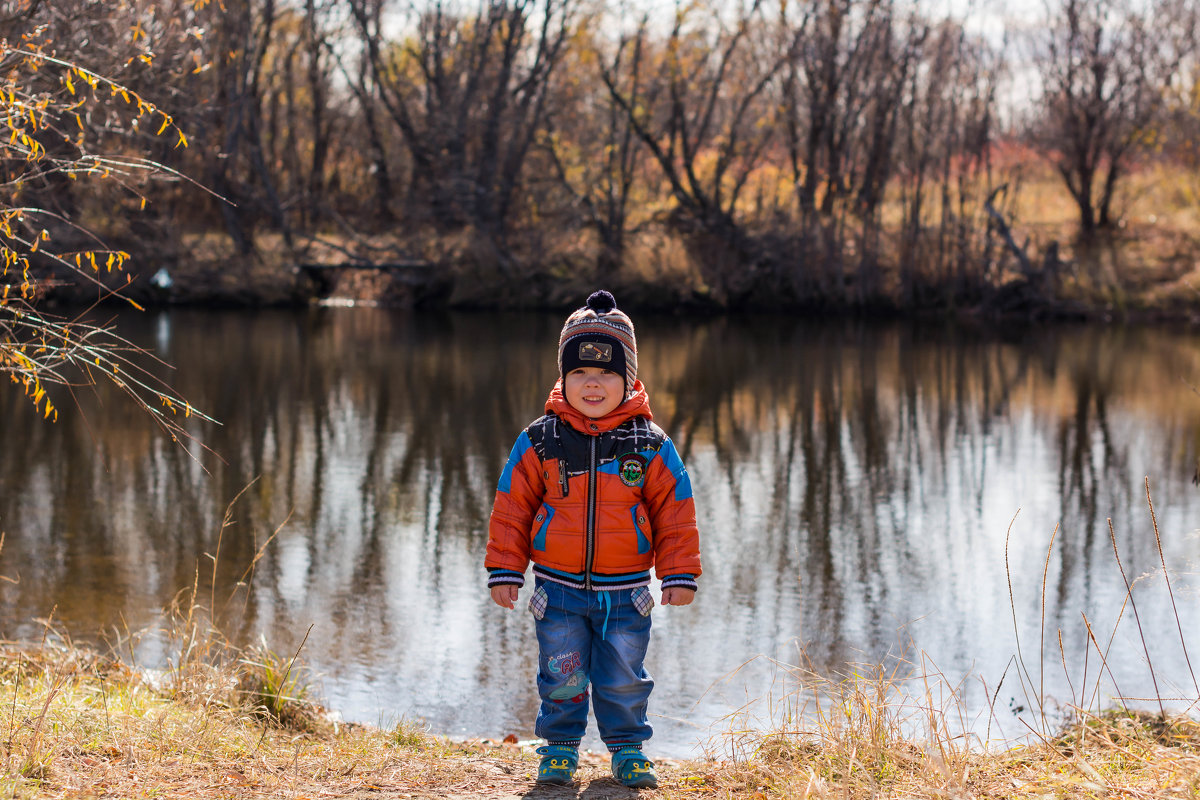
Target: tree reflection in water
[[855, 484]]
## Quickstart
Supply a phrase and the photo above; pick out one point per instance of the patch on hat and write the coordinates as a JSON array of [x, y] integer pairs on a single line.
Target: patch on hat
[[595, 351], [632, 469]]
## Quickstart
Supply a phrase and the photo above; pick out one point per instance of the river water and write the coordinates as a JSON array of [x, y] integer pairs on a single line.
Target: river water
[[937, 499]]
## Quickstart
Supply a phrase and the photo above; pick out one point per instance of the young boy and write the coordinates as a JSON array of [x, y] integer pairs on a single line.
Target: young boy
[[595, 495]]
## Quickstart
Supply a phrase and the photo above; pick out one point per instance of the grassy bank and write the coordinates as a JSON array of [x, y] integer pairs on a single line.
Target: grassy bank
[[77, 724]]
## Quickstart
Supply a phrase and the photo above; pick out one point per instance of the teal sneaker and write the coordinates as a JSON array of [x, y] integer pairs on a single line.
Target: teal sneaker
[[558, 764], [633, 769]]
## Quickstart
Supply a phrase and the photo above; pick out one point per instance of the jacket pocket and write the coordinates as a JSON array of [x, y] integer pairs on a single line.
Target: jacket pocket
[[541, 524], [641, 526], [554, 471]]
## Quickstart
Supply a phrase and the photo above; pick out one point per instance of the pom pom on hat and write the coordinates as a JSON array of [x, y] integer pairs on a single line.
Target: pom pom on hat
[[599, 322], [601, 302]]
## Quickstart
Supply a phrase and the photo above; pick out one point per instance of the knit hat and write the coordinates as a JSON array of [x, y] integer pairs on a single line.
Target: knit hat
[[599, 335]]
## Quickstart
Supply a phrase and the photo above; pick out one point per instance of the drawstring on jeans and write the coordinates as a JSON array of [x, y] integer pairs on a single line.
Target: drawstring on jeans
[[607, 603]]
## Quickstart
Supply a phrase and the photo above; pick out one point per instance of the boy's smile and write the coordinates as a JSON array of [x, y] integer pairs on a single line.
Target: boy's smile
[[593, 391]]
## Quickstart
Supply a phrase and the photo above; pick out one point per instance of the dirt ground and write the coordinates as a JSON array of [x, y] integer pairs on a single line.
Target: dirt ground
[[488, 777], [494, 773]]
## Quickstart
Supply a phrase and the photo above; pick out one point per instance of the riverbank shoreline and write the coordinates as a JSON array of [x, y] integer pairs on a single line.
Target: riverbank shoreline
[[84, 725], [1128, 281]]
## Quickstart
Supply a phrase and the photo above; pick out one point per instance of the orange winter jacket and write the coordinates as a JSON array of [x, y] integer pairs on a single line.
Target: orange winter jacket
[[594, 503]]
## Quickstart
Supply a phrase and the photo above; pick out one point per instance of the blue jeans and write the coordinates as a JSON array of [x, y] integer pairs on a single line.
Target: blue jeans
[[596, 639]]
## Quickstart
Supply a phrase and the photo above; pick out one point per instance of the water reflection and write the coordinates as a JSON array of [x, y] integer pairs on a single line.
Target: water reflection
[[855, 485]]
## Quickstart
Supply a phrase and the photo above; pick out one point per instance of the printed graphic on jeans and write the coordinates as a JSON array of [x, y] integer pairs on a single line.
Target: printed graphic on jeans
[[568, 665]]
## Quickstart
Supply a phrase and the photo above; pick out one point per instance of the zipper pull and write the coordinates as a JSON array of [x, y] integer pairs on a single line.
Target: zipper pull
[[562, 476]]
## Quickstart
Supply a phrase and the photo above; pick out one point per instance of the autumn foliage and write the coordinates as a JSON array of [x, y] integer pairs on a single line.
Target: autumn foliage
[[58, 113]]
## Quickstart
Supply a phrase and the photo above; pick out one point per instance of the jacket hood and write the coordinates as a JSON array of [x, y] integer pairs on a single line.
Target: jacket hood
[[636, 405]]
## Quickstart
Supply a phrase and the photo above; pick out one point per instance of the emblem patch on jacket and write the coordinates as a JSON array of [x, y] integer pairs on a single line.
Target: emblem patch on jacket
[[632, 469]]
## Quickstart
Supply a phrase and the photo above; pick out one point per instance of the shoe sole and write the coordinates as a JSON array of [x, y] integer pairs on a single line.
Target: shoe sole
[[640, 784], [555, 781]]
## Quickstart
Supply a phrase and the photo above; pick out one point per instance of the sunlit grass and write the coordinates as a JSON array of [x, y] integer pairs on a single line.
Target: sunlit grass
[[77, 724]]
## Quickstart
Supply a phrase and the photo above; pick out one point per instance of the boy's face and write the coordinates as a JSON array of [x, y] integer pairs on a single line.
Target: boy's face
[[594, 391]]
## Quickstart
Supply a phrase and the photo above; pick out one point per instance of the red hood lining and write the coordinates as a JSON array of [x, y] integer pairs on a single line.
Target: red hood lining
[[636, 405]]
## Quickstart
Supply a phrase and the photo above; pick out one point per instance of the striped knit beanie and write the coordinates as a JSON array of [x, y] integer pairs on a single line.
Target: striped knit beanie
[[599, 335]]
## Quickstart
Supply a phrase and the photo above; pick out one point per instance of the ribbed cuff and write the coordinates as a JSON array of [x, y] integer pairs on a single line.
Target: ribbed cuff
[[505, 577], [682, 581]]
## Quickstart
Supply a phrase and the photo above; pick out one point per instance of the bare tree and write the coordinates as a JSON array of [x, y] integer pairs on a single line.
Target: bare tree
[[850, 84], [947, 120], [467, 93], [591, 143], [842, 64], [359, 76], [1105, 65], [296, 127], [706, 115], [241, 36]]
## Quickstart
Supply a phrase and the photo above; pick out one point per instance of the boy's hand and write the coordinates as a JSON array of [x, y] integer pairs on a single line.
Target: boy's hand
[[506, 595], [677, 596]]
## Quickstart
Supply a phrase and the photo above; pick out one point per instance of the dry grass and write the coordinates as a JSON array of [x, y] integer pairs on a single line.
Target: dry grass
[[79, 725], [856, 739], [1149, 263]]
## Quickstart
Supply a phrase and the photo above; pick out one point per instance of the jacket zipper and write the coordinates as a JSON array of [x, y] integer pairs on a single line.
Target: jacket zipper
[[591, 515]]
